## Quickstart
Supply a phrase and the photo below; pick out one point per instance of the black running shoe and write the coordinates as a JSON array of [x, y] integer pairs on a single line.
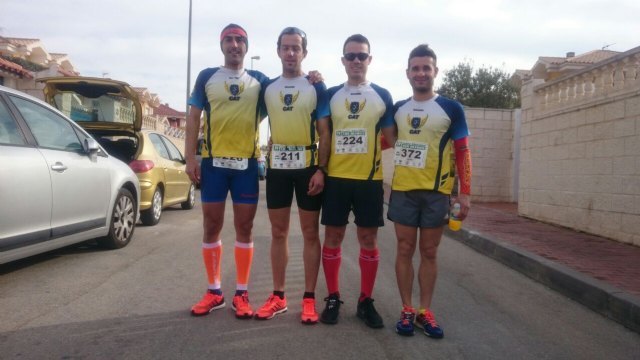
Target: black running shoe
[[331, 310], [367, 312]]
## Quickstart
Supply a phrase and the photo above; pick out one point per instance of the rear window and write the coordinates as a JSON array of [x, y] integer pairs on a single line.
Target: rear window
[[106, 107]]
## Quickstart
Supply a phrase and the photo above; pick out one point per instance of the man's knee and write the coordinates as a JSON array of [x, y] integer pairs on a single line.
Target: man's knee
[[406, 248]]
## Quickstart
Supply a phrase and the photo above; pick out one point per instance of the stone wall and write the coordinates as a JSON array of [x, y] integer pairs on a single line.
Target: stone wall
[[580, 149]]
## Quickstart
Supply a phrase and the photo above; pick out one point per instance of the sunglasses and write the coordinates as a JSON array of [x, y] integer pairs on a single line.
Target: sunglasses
[[353, 56]]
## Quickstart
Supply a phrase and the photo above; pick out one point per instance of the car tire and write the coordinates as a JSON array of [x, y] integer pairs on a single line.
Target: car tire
[[191, 198], [123, 221], [152, 215]]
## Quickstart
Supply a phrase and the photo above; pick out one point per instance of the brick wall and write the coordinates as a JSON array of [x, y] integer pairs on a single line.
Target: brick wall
[[580, 150]]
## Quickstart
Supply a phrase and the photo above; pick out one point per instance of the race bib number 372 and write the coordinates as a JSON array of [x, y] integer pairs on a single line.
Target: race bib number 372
[[351, 141], [231, 163], [410, 153]]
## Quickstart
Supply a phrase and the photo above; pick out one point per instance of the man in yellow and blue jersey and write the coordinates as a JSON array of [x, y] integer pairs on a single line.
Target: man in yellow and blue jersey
[[429, 126], [229, 97], [298, 119], [360, 111]]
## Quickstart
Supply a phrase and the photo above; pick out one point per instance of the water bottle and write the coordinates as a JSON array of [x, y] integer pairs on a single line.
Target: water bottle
[[454, 221]]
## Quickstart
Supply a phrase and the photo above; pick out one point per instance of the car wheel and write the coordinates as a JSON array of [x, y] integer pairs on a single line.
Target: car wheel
[[123, 221], [191, 199], [151, 216]]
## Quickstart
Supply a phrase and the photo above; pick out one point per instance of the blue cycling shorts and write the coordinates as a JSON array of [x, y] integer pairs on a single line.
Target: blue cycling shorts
[[216, 182]]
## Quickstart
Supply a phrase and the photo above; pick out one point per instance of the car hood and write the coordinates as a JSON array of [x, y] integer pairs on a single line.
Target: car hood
[[97, 104]]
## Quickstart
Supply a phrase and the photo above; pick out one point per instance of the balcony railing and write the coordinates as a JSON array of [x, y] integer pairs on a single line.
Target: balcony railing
[[616, 76]]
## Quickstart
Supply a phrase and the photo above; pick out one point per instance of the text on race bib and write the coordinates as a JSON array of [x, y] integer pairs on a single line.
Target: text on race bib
[[231, 163], [288, 157], [351, 141], [410, 154]]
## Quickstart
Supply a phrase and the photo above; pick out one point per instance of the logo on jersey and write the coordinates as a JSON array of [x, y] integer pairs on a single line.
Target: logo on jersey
[[235, 90], [288, 100], [354, 107], [416, 123]]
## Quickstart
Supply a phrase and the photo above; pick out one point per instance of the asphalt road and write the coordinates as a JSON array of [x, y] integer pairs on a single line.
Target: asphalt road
[[133, 303]]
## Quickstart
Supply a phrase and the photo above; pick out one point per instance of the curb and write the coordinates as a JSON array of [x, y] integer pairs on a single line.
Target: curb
[[592, 293]]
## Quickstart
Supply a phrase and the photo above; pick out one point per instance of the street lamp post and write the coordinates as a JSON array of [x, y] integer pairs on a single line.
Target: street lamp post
[[257, 57], [189, 62]]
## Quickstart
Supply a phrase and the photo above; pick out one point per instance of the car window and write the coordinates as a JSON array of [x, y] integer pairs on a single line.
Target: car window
[[50, 129], [81, 104], [174, 153], [159, 145], [9, 132]]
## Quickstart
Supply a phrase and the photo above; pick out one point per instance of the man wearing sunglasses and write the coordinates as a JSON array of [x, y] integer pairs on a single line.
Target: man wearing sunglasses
[[229, 96], [298, 115], [360, 110], [429, 126]]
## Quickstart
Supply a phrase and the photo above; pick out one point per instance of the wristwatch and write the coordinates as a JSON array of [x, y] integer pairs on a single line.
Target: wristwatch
[[323, 169]]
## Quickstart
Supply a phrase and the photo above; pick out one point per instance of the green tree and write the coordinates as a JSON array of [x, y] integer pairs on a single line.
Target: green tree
[[485, 87]]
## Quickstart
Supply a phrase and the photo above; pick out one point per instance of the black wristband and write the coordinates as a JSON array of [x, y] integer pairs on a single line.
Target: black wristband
[[323, 169]]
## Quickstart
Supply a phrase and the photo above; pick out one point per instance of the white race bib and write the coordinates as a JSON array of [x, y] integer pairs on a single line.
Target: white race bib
[[410, 154], [231, 163], [351, 141], [288, 157]]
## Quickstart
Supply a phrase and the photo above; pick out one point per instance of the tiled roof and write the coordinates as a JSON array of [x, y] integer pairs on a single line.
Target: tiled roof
[[14, 68], [590, 57], [21, 41], [66, 72], [593, 57], [553, 59], [56, 56], [166, 110]]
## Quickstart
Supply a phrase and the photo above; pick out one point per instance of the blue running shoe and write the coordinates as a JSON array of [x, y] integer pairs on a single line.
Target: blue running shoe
[[428, 323], [404, 326]]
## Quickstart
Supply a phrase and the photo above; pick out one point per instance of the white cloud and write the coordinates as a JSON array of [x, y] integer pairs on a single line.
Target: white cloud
[[144, 42]]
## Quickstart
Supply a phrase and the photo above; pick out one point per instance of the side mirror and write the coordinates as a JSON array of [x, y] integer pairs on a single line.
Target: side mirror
[[91, 146]]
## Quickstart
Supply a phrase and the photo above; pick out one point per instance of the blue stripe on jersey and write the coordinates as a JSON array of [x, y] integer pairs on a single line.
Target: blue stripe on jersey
[[455, 112], [387, 118]]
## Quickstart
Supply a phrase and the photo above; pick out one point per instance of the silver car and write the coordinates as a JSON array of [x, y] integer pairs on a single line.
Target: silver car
[[57, 185]]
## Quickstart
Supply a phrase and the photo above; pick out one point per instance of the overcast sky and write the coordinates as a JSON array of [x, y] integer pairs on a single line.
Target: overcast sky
[[144, 42]]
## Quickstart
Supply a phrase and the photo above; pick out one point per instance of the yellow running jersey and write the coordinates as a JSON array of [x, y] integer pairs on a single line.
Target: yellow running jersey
[[358, 113], [231, 102], [423, 151], [293, 106]]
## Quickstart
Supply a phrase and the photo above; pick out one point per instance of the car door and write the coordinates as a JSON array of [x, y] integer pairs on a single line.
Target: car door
[[80, 184], [179, 176], [170, 186], [25, 188]]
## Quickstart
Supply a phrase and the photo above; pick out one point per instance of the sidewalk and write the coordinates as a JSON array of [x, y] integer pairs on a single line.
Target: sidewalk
[[599, 273]]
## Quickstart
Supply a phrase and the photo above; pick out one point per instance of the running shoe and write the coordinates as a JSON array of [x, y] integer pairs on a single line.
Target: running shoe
[[241, 306], [331, 310], [367, 313], [271, 308], [428, 323], [404, 326], [309, 313], [208, 303]]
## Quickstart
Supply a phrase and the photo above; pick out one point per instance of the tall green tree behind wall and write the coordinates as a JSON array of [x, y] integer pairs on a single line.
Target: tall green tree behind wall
[[484, 87]]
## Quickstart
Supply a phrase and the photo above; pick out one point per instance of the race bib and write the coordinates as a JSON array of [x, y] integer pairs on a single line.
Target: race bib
[[231, 163], [351, 141], [288, 157], [410, 154]]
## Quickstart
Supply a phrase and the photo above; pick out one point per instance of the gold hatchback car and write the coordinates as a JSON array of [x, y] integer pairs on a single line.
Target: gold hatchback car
[[111, 112]]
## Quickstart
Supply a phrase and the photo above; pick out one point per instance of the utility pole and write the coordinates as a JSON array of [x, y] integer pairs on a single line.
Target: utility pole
[[189, 62]]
